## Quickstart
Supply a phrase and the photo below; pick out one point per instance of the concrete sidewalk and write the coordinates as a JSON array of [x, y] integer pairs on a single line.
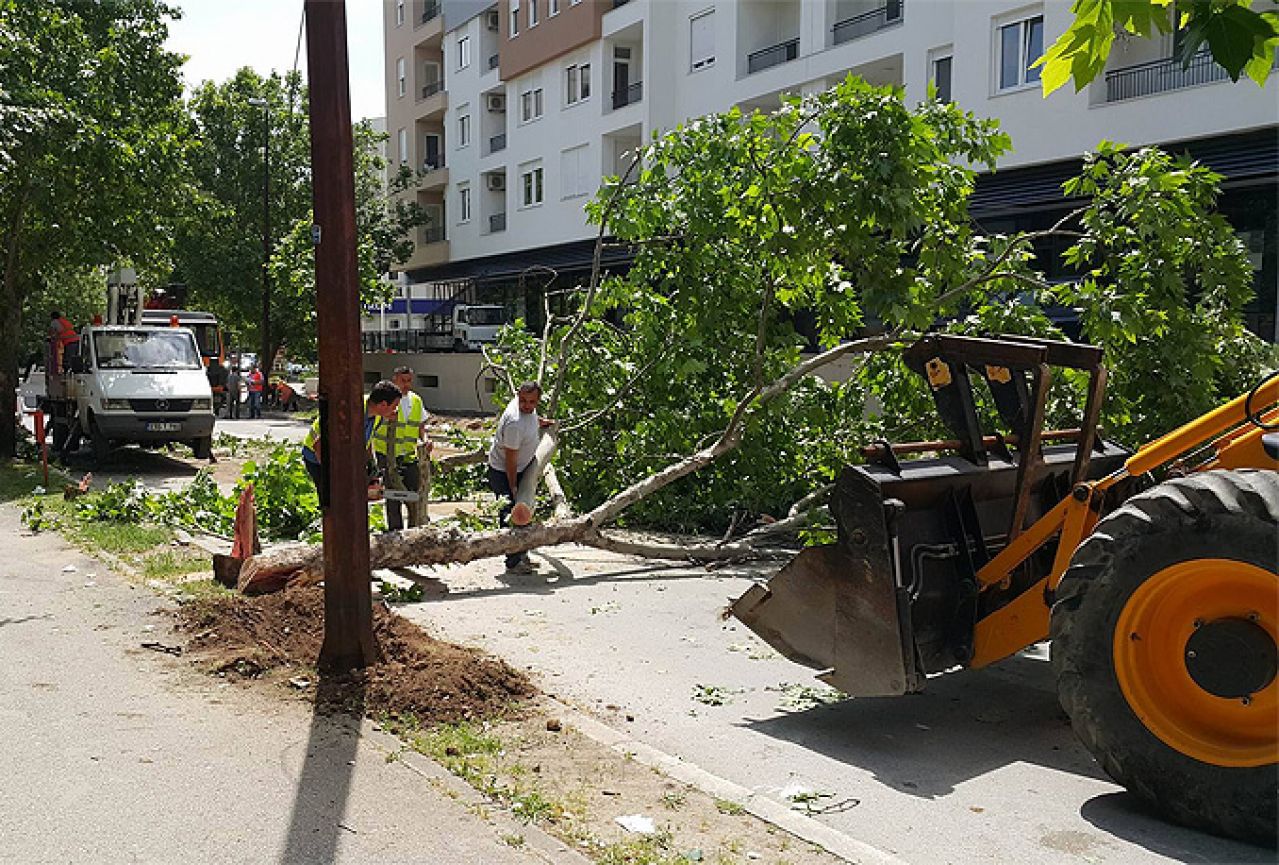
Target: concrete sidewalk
[[115, 753]]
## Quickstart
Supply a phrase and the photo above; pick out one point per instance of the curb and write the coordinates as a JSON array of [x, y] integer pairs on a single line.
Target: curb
[[769, 810]]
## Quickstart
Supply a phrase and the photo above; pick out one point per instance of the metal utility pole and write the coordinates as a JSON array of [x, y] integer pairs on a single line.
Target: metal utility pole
[[348, 608], [266, 358]]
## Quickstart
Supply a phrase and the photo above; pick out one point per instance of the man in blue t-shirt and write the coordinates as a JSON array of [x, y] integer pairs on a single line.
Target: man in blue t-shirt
[[381, 405]]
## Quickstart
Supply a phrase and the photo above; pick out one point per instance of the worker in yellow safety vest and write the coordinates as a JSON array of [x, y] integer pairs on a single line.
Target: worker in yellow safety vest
[[396, 441], [381, 405]]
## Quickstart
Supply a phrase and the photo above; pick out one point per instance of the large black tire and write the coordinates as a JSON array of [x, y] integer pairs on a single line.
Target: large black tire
[[1230, 515]]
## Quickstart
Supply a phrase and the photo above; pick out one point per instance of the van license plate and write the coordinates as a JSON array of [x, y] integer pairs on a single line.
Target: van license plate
[[163, 426]]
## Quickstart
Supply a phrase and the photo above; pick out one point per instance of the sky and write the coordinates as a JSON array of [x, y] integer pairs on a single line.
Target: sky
[[220, 36]]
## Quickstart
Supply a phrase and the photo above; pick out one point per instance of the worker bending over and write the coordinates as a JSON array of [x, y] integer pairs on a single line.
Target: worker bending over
[[382, 403]]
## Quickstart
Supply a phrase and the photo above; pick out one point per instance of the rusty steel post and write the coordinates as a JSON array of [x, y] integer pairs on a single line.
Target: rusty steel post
[[348, 609]]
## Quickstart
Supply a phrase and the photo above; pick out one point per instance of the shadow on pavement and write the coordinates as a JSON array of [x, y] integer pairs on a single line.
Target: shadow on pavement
[[315, 826], [1125, 816], [963, 726]]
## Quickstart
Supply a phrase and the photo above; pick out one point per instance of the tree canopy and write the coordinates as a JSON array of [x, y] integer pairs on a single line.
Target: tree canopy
[[92, 151], [850, 209]]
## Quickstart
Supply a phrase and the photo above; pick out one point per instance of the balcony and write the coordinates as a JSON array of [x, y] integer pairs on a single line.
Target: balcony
[[434, 175], [430, 11], [774, 55], [495, 60], [628, 95], [497, 222], [429, 90], [1161, 76], [872, 21], [432, 234], [497, 143]]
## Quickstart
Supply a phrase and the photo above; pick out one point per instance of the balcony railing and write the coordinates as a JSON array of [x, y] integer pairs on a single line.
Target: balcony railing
[[628, 95], [429, 90], [430, 10], [432, 165], [774, 55], [497, 143], [432, 234], [495, 60], [872, 21], [497, 222], [1160, 76]]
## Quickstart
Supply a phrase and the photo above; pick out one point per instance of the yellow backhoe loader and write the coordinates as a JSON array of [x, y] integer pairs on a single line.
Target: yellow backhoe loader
[[1153, 574]]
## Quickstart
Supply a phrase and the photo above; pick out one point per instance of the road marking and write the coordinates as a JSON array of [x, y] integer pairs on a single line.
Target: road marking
[[766, 809]]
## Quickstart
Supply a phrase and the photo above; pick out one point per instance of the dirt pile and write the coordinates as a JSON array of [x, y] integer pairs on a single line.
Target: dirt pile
[[278, 636]]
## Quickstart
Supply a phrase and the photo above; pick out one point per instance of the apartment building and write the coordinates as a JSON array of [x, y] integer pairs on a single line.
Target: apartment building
[[516, 109]]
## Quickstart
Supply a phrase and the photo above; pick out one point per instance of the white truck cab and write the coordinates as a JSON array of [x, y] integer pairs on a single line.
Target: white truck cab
[[476, 326], [135, 383]]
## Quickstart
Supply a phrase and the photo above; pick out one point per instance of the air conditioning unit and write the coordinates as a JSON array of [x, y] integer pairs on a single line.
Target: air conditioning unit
[[495, 102], [491, 20], [495, 182]]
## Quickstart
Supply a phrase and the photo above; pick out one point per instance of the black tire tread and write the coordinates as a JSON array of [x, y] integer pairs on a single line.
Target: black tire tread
[[1177, 505]]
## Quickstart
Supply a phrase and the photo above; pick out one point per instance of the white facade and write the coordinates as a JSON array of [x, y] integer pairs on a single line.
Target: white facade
[[659, 63]]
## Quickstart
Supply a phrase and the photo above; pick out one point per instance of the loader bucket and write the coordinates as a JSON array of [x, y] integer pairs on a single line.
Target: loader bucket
[[836, 607]]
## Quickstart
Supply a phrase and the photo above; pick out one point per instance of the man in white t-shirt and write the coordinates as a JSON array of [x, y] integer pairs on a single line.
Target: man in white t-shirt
[[514, 446]]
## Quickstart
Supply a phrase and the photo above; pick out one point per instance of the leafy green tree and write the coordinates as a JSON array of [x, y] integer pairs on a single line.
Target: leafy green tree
[[93, 151], [852, 208], [384, 221], [220, 247], [1241, 38]]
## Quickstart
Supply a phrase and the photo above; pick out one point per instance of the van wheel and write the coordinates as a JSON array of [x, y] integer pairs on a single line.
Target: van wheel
[[101, 444], [202, 447]]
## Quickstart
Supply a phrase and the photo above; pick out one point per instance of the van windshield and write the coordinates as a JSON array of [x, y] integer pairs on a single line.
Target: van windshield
[[485, 315], [146, 349]]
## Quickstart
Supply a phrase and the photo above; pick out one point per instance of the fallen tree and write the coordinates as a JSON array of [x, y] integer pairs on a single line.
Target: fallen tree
[[842, 205]]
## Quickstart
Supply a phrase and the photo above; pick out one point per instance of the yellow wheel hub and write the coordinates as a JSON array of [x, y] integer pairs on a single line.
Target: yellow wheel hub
[[1194, 652]]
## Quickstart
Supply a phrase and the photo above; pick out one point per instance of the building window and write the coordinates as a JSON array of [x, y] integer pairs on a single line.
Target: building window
[[1020, 45], [530, 184], [399, 12], [464, 52], [427, 381], [939, 75], [463, 130], [401, 82], [701, 40], [576, 178], [515, 18], [530, 105], [577, 83], [402, 142], [554, 8], [532, 13], [464, 202]]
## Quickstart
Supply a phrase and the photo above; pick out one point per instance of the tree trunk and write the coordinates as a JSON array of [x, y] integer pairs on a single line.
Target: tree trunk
[[11, 302]]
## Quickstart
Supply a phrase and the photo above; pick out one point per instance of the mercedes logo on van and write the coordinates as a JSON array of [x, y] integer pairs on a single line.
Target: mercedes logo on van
[[162, 405]]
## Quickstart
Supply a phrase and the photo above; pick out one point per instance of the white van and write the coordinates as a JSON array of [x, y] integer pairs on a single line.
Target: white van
[[136, 384]]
